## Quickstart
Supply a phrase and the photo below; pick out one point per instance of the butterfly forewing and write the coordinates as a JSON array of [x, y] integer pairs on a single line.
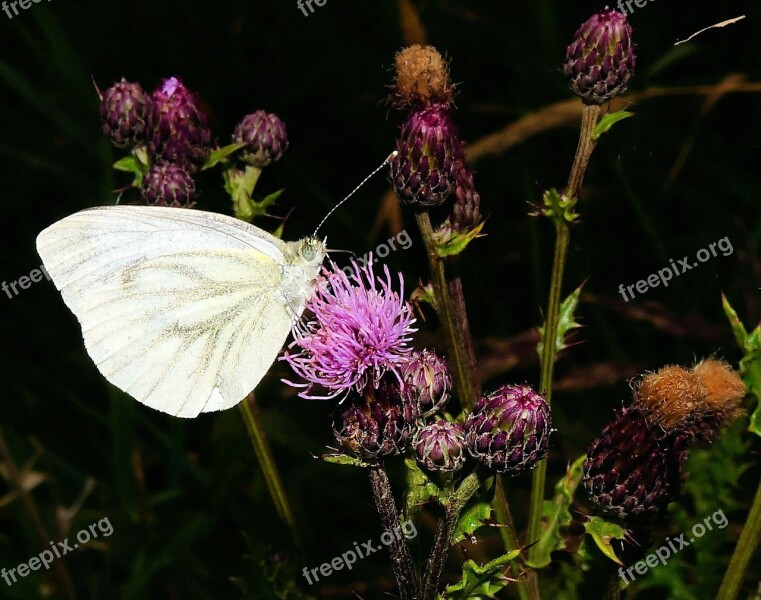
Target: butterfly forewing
[[183, 310]]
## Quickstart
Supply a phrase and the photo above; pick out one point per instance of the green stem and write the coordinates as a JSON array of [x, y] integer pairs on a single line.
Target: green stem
[[59, 566], [445, 534], [584, 150], [450, 306], [401, 560], [746, 546], [253, 422], [527, 587]]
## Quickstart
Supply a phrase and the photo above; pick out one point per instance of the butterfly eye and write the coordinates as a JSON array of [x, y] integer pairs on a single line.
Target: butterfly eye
[[308, 251]]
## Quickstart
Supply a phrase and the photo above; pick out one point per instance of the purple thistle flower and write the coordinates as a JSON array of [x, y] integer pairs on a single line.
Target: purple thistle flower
[[360, 330]]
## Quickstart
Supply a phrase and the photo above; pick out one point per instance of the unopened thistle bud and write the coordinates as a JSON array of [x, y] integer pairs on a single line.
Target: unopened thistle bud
[[426, 382], [422, 78], [509, 429], [265, 138], [168, 185], [180, 131], [466, 212], [601, 59], [440, 446], [633, 468], [423, 170], [377, 423], [125, 110]]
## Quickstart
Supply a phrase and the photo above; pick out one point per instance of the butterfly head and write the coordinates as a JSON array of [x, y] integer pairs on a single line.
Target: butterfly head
[[311, 251]]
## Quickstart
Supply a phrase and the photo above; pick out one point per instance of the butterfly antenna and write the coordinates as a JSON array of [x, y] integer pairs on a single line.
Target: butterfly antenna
[[354, 191]]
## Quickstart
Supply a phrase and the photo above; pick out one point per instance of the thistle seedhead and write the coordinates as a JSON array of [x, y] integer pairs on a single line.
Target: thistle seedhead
[[422, 78]]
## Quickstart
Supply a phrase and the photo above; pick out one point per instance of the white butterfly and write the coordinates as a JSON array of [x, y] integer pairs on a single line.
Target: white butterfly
[[184, 310]]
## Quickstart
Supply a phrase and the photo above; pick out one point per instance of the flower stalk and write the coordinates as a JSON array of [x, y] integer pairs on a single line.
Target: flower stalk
[[404, 570], [746, 546], [584, 149], [255, 428], [450, 306]]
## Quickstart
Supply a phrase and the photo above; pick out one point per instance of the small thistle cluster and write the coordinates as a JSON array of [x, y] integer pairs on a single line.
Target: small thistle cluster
[[169, 132], [429, 166], [635, 466]]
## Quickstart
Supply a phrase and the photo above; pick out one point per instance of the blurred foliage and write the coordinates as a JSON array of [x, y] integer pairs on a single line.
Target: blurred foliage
[[183, 495]]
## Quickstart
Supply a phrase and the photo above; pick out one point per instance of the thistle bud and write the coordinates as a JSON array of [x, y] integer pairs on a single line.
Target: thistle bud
[[634, 468], [168, 185], [426, 383], [125, 110], [440, 446], [422, 78], [423, 171], [265, 138], [601, 60], [466, 212], [509, 430], [180, 131], [377, 423]]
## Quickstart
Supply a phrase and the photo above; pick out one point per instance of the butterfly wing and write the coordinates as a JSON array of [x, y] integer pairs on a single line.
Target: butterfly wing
[[183, 310]]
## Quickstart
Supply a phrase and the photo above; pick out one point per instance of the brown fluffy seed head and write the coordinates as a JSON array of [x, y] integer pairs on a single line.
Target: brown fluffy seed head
[[422, 78], [725, 391], [672, 397]]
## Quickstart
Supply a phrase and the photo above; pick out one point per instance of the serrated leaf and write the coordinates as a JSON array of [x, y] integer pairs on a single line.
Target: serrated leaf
[[607, 121], [344, 459], [473, 517], [221, 154], [456, 243], [750, 364], [566, 322], [130, 164], [481, 581], [420, 488], [602, 533], [556, 514]]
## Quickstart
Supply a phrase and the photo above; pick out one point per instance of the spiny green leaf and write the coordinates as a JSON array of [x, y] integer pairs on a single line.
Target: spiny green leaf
[[750, 364], [556, 515], [602, 532], [608, 121], [221, 154], [420, 489], [344, 459], [473, 517], [479, 582], [566, 322], [456, 243]]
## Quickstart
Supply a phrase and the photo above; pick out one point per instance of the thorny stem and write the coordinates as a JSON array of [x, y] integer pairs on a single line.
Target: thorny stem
[[445, 534], [255, 428], [401, 560], [584, 150], [59, 566], [746, 546], [450, 306]]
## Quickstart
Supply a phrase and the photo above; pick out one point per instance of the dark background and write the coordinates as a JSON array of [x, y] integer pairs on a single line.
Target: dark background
[[681, 174]]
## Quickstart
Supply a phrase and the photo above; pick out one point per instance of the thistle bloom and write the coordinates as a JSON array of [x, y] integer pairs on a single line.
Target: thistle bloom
[[359, 331]]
